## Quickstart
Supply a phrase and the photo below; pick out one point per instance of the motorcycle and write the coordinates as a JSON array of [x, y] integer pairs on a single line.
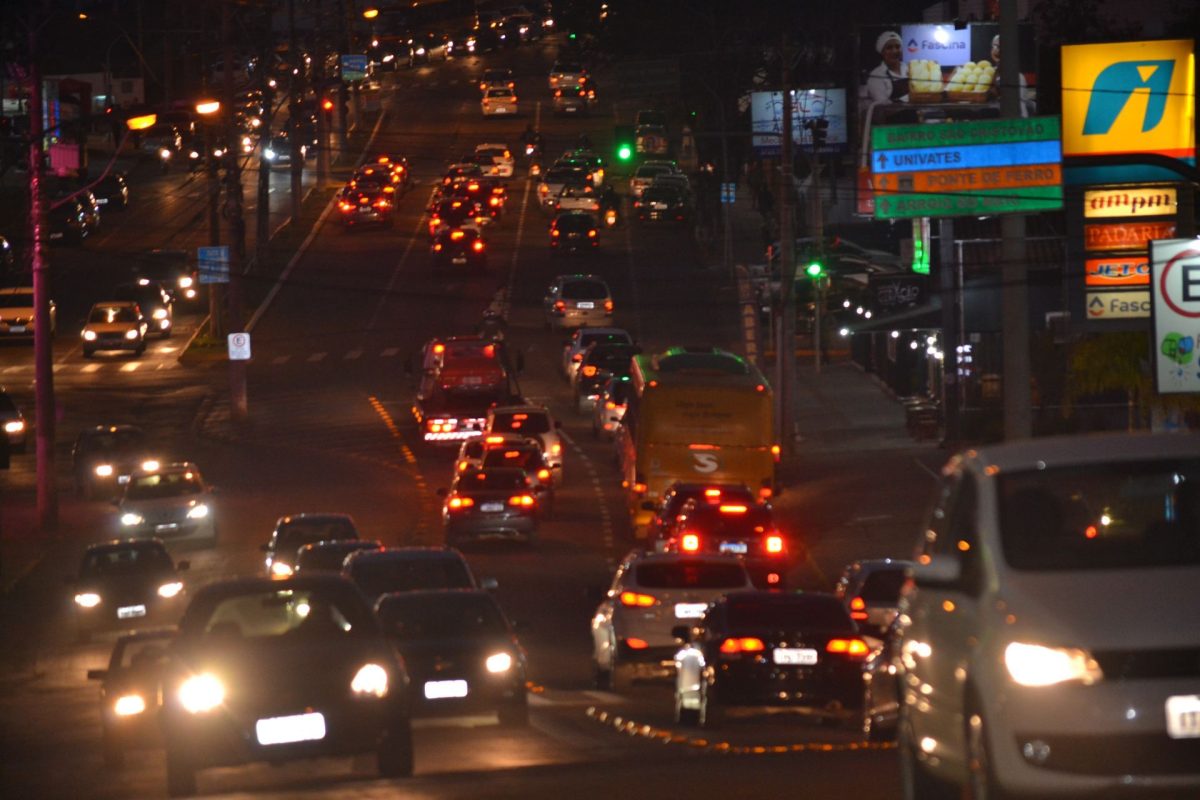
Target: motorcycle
[[610, 217]]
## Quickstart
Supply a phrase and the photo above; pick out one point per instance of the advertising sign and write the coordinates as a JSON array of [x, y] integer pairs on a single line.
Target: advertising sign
[[892, 292], [1125, 235], [1129, 97], [1118, 305], [1175, 283], [1114, 273], [941, 43], [766, 119], [1130, 201]]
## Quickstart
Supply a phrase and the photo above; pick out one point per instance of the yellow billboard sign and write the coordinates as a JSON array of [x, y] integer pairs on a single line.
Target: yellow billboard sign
[[1129, 97], [1146, 201]]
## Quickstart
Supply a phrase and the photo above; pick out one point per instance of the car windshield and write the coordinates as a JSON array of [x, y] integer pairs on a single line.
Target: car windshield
[[108, 314], [16, 300], [500, 93], [385, 573], [689, 575], [883, 586], [116, 441], [297, 612], [492, 480], [125, 560], [437, 617], [662, 194], [574, 222], [797, 612], [520, 422], [584, 290], [163, 484], [140, 653], [306, 531], [1123, 515]]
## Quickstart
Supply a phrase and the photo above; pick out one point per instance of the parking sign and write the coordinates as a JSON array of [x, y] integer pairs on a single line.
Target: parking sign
[[1175, 283]]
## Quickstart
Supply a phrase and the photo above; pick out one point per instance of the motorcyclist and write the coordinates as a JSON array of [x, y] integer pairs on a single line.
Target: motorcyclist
[[493, 325]]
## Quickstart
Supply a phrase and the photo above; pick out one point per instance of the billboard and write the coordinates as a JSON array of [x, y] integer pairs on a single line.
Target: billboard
[[766, 119]]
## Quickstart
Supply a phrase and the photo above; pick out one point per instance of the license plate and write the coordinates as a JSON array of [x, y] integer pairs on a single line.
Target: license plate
[[1183, 716], [170, 526], [438, 690], [122, 479], [803, 656], [659, 206], [472, 380], [501, 110], [689, 610], [130, 612], [585, 304], [285, 730], [16, 328], [492, 507], [733, 547], [458, 260]]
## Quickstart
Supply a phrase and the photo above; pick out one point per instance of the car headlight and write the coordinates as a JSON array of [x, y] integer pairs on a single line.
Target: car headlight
[[1038, 665], [185, 282], [499, 662], [193, 154], [131, 334], [164, 154], [159, 313], [87, 599], [198, 511], [14, 426], [89, 336], [103, 470], [129, 705], [150, 465], [269, 154], [280, 569], [201, 693], [420, 51], [130, 518], [171, 589], [370, 679]]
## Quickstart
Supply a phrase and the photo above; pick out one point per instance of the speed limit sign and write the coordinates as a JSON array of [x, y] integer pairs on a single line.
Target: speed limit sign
[[239, 347]]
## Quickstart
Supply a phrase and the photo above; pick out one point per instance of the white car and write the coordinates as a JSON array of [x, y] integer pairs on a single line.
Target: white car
[[502, 165], [499, 101], [16, 312], [577, 301], [652, 593], [114, 325], [535, 422], [1049, 642], [171, 503], [565, 73], [577, 198], [581, 338], [644, 175]]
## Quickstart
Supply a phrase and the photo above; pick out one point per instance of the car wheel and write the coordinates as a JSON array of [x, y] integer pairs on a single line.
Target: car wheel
[[114, 756], [514, 714], [711, 715], [685, 716], [394, 757], [181, 774], [915, 782]]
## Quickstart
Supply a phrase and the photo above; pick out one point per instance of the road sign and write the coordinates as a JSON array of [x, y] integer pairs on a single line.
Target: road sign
[[728, 193], [1175, 287], [213, 264], [985, 167], [239, 347], [354, 68]]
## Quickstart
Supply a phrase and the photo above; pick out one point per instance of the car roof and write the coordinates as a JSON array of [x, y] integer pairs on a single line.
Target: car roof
[[408, 553], [313, 516], [97, 430], [580, 278], [1065, 451], [520, 409], [115, 304], [652, 557]]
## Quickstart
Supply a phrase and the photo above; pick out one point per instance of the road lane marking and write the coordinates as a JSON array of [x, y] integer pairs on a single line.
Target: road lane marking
[[280, 359], [353, 354], [91, 367], [317, 356], [388, 352], [132, 366]]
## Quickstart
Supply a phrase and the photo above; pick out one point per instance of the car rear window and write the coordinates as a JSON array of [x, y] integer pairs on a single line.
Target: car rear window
[[584, 290], [493, 480], [797, 613], [574, 222], [520, 422], [293, 534], [329, 557], [690, 575], [499, 93], [883, 586], [524, 457], [376, 576]]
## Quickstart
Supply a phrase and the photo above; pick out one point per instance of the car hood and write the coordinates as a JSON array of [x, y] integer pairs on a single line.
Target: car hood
[[137, 585], [1104, 609], [159, 505], [110, 327]]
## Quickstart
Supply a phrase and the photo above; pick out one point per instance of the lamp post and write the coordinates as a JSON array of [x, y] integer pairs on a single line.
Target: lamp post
[[209, 111]]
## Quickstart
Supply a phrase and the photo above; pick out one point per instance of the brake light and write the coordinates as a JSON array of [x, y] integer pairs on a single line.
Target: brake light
[[744, 644], [382, 203], [639, 488], [775, 451], [543, 474], [592, 235], [608, 304], [577, 357], [344, 206], [512, 454], [690, 543], [362, 201], [438, 349], [493, 440], [775, 544], [765, 493], [554, 232], [521, 501], [858, 609], [477, 246], [772, 578], [588, 371], [456, 235], [634, 643], [637, 599], [555, 449], [855, 648], [457, 503], [437, 248], [494, 200], [715, 493], [610, 405]]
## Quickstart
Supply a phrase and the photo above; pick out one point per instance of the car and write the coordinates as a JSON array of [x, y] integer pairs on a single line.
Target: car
[[397, 167], [662, 203], [573, 100], [498, 159], [572, 231], [486, 193], [13, 422], [583, 199], [71, 221], [499, 101], [870, 589], [426, 47], [1049, 621], [104, 456], [293, 531], [651, 593], [405, 569], [770, 651], [114, 325], [461, 170], [644, 175], [329, 556], [459, 248], [881, 686], [577, 301], [172, 503], [492, 503], [126, 583], [556, 178], [129, 693], [364, 206], [567, 73], [462, 43], [502, 450], [601, 361], [281, 669], [650, 117], [171, 268], [608, 410], [17, 313], [581, 338], [748, 531], [651, 140], [498, 77], [676, 497], [456, 213], [279, 150], [535, 422], [461, 652], [112, 191], [589, 160], [154, 301]]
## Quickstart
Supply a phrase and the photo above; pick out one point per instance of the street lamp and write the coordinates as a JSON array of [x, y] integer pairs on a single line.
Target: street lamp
[[206, 107], [370, 13], [142, 122]]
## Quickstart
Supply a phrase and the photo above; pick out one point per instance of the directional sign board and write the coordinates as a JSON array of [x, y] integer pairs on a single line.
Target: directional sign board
[[354, 68], [728, 193], [1175, 286], [212, 264], [997, 166]]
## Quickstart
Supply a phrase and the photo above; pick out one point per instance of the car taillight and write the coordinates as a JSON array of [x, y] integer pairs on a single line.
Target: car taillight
[[554, 232], [521, 501], [344, 206], [592, 235], [457, 503], [743, 644], [732, 509], [560, 305], [610, 405], [858, 609], [775, 545], [689, 543], [637, 599], [588, 371], [494, 200], [577, 357], [477, 246], [543, 474], [634, 643], [382, 203], [556, 449], [608, 306], [775, 451], [456, 235], [437, 248], [855, 648]]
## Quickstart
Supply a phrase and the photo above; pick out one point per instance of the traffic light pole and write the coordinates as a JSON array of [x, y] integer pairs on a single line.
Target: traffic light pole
[[785, 351], [235, 216]]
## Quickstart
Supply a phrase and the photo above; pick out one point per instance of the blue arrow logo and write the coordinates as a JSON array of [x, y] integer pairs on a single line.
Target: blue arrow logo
[[1117, 83]]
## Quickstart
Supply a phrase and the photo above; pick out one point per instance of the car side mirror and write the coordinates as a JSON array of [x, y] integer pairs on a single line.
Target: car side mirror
[[442, 491], [489, 584], [682, 634], [940, 572], [97, 674], [183, 566]]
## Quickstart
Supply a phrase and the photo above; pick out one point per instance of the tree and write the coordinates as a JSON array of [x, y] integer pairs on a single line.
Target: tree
[[1118, 362]]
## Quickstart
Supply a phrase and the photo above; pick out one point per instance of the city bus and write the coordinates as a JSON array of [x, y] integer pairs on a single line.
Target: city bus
[[695, 415]]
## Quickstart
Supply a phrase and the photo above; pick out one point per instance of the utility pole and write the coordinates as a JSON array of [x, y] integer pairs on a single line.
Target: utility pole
[[817, 232], [235, 216], [1018, 418], [262, 211], [785, 351], [47, 490], [321, 96], [296, 89], [340, 111]]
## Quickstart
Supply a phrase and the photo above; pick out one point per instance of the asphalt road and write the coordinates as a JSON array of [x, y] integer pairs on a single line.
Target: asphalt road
[[330, 429]]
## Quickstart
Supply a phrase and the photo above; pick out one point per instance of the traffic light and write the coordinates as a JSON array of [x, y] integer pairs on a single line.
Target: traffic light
[[327, 105], [624, 142], [814, 270]]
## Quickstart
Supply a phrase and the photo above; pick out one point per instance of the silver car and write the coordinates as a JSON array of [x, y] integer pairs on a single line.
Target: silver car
[[577, 301], [1049, 641], [171, 503]]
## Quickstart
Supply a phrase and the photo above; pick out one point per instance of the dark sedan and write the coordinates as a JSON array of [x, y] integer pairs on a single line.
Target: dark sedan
[[103, 457], [126, 583], [279, 670], [171, 268], [770, 651], [662, 203], [492, 503], [129, 693], [112, 191], [330, 556], [407, 569], [361, 206], [457, 249], [747, 531], [154, 301], [574, 230], [461, 653]]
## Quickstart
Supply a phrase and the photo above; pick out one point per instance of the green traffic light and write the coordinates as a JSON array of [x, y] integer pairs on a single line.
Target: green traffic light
[[814, 269], [624, 152], [571, 36]]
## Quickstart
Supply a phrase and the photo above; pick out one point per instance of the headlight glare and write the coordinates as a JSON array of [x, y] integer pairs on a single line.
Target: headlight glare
[[87, 599], [89, 336], [185, 282], [1038, 665], [159, 313], [129, 705], [131, 334], [104, 470], [370, 679], [499, 662], [14, 426], [201, 693], [130, 518], [170, 589], [150, 465], [198, 511], [280, 569]]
